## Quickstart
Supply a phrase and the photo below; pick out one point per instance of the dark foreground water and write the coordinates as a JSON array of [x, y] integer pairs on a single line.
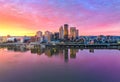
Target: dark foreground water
[[57, 65]]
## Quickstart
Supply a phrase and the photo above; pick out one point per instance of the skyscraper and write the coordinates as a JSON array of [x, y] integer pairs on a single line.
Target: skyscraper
[[65, 31], [77, 33], [73, 32], [56, 35], [48, 36], [61, 33], [39, 34]]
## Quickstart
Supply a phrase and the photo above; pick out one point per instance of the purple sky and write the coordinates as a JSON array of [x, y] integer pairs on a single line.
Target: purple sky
[[91, 17]]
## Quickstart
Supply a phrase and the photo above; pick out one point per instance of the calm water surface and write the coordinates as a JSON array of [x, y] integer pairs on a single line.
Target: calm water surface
[[57, 65]]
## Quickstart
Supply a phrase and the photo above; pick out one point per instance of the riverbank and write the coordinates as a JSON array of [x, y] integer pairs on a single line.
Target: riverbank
[[61, 45]]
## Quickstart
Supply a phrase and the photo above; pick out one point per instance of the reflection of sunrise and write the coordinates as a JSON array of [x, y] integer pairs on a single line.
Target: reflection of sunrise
[[25, 17]]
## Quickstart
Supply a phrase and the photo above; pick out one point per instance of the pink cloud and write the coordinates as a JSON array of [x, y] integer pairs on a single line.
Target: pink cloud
[[43, 16]]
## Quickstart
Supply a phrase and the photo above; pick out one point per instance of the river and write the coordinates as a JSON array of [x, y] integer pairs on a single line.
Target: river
[[59, 65]]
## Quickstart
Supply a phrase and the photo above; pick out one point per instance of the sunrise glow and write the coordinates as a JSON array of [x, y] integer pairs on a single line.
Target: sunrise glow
[[92, 17]]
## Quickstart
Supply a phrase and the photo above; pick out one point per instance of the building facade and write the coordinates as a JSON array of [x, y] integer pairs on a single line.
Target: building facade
[[66, 31], [47, 36], [61, 33], [73, 33], [39, 36]]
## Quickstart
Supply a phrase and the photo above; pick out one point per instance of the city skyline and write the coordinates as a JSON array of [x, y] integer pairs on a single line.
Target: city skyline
[[25, 17], [65, 29]]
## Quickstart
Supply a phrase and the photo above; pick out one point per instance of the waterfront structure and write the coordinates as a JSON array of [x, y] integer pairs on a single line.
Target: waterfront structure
[[3, 39], [61, 33], [61, 37], [11, 39], [0, 39], [66, 31], [25, 39]]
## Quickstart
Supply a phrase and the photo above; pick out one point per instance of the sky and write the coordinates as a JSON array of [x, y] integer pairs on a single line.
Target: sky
[[91, 17]]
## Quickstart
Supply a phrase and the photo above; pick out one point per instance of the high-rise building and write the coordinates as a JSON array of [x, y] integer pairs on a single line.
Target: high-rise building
[[73, 32], [66, 31], [61, 33], [56, 35], [39, 34], [48, 36], [77, 33]]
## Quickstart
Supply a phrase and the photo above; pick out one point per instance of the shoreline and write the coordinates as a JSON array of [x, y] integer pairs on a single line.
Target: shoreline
[[45, 45]]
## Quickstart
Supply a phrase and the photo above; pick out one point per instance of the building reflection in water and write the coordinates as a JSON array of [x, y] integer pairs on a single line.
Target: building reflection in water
[[91, 50], [16, 49], [63, 53], [73, 53]]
